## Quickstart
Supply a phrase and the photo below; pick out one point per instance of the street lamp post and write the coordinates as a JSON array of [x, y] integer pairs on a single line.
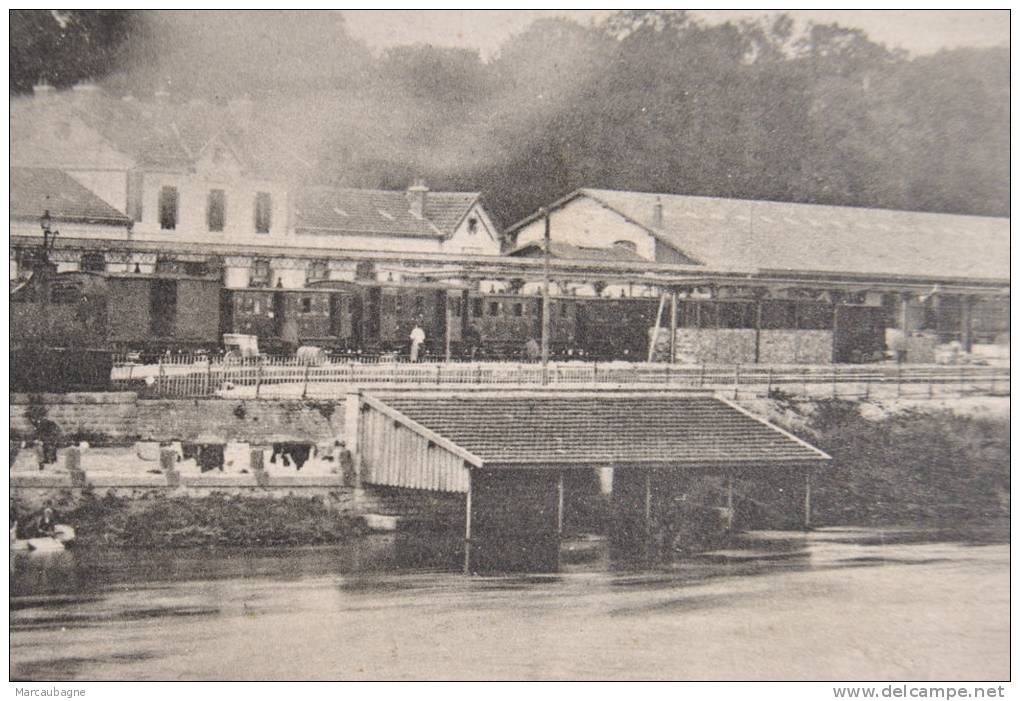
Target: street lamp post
[[49, 235]]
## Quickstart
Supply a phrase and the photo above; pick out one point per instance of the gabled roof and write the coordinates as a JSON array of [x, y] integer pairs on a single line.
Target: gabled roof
[[599, 428], [566, 251], [331, 210], [760, 236], [36, 190], [155, 134]]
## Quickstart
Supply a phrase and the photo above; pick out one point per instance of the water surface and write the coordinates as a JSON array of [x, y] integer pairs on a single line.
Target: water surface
[[831, 604]]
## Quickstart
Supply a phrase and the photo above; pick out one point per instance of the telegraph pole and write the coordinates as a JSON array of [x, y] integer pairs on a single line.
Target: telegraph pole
[[545, 295]]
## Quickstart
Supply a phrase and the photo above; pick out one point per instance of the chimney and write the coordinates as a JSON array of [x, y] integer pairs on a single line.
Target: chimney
[[42, 89], [657, 213], [416, 197]]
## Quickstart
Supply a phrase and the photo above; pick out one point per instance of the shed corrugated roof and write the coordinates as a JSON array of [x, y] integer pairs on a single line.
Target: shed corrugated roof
[[35, 190], [357, 211], [602, 429], [756, 235]]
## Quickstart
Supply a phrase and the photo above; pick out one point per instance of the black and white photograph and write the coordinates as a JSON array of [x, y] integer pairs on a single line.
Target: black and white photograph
[[510, 345]]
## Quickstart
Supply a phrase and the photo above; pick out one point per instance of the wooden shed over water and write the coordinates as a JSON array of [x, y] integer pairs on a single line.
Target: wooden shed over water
[[508, 451]]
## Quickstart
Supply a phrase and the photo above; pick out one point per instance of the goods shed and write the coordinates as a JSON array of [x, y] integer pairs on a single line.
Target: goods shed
[[508, 451]]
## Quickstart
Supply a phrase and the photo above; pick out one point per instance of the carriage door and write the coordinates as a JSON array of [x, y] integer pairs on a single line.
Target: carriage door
[[279, 313], [373, 315], [439, 343], [163, 306]]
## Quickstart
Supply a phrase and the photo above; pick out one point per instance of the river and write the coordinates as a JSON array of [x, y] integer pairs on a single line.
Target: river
[[842, 603]]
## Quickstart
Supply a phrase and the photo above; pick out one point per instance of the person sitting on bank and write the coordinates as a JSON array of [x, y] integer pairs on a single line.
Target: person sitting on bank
[[417, 338]]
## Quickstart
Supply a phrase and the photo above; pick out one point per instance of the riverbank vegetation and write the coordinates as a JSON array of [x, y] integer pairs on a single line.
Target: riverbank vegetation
[[216, 520], [906, 467]]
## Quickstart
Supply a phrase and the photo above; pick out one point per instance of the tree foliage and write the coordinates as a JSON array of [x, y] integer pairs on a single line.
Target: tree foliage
[[648, 100]]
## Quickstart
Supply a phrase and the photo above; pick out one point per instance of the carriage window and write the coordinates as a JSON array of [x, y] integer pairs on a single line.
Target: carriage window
[[93, 262], [306, 305], [196, 268], [518, 309], [476, 307], [419, 305], [457, 308], [778, 314], [258, 306], [814, 316], [493, 308], [735, 315], [65, 293]]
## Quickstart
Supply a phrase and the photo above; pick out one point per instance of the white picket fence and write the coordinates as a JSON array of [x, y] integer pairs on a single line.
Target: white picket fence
[[286, 377]]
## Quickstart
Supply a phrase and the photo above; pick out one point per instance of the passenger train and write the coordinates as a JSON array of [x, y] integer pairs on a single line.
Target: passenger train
[[156, 313]]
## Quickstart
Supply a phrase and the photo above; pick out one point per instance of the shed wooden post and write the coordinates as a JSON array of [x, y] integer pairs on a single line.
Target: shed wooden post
[[807, 497], [559, 504], [729, 499], [467, 524], [648, 501]]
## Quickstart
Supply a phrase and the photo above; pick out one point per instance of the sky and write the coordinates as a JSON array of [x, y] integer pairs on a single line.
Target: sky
[[917, 31]]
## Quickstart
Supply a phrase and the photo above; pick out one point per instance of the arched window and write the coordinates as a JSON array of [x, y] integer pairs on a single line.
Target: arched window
[[625, 245]]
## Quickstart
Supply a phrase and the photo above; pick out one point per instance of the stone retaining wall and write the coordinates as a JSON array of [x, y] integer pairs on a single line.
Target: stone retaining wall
[[121, 417]]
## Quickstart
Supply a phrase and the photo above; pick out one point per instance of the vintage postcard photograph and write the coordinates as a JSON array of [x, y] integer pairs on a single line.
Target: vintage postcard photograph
[[510, 345]]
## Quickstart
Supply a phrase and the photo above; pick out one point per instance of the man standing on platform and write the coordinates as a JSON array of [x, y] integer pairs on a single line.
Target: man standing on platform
[[417, 338]]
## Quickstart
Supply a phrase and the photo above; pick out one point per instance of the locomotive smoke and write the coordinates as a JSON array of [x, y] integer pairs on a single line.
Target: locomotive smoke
[[360, 121]]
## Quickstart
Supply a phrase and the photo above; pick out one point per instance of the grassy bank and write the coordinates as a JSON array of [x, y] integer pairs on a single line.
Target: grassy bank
[[217, 520]]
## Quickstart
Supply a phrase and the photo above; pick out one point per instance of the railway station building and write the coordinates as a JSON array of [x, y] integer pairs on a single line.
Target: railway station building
[[782, 282], [207, 188]]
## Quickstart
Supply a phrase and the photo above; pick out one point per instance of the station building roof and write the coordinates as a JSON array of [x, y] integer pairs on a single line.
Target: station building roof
[[37, 190], [379, 212], [762, 236]]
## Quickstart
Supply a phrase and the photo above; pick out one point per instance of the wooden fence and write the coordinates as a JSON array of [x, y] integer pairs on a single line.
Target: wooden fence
[[279, 378]]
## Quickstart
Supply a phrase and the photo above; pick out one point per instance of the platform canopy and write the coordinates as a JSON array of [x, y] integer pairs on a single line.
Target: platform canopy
[[566, 430]]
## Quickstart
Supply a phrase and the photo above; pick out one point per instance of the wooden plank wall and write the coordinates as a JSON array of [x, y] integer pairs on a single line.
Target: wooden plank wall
[[394, 455]]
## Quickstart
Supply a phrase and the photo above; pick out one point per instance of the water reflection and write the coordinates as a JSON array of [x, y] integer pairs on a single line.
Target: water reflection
[[400, 607]]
